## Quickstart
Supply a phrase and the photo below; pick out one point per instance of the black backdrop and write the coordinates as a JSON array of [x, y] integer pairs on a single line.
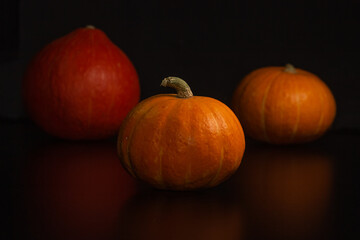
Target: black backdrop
[[211, 44]]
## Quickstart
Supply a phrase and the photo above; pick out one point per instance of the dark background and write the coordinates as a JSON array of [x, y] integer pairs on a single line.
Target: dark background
[[211, 44]]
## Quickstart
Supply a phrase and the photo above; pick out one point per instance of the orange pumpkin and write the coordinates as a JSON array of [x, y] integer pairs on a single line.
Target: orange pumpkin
[[181, 142], [283, 105]]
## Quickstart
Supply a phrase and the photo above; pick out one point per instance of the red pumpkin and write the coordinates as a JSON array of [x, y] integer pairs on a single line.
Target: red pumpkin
[[80, 86], [284, 105], [181, 142]]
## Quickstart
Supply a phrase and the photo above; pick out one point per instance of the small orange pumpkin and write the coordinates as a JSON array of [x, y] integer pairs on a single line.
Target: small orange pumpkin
[[284, 105], [181, 142]]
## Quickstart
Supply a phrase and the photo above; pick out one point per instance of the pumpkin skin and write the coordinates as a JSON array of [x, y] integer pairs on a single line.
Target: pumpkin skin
[[284, 105], [181, 143], [80, 86]]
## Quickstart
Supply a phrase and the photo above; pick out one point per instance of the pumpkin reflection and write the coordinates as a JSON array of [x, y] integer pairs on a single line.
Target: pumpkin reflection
[[179, 215], [286, 191], [75, 191]]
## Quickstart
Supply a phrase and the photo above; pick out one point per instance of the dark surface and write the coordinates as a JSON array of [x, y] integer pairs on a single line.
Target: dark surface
[[56, 189]]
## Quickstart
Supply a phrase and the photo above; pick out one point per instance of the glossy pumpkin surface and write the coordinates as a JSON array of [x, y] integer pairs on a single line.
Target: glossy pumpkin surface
[[181, 143], [80, 86], [284, 105]]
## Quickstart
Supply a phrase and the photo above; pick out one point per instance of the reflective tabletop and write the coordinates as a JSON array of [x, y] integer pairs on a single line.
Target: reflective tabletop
[[57, 189]]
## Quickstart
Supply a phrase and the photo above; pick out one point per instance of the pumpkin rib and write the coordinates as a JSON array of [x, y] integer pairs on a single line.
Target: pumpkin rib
[[199, 107], [263, 121], [278, 82], [192, 180], [171, 112], [163, 135], [188, 173], [160, 179], [234, 119], [319, 125], [124, 144], [230, 121], [121, 143], [228, 118], [131, 122], [289, 126], [215, 117], [128, 154], [214, 179], [246, 103], [282, 81], [140, 117], [203, 105], [241, 89], [297, 116]]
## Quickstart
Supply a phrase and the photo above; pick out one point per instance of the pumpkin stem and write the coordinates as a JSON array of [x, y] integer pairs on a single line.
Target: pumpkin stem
[[289, 68], [182, 88], [90, 27]]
